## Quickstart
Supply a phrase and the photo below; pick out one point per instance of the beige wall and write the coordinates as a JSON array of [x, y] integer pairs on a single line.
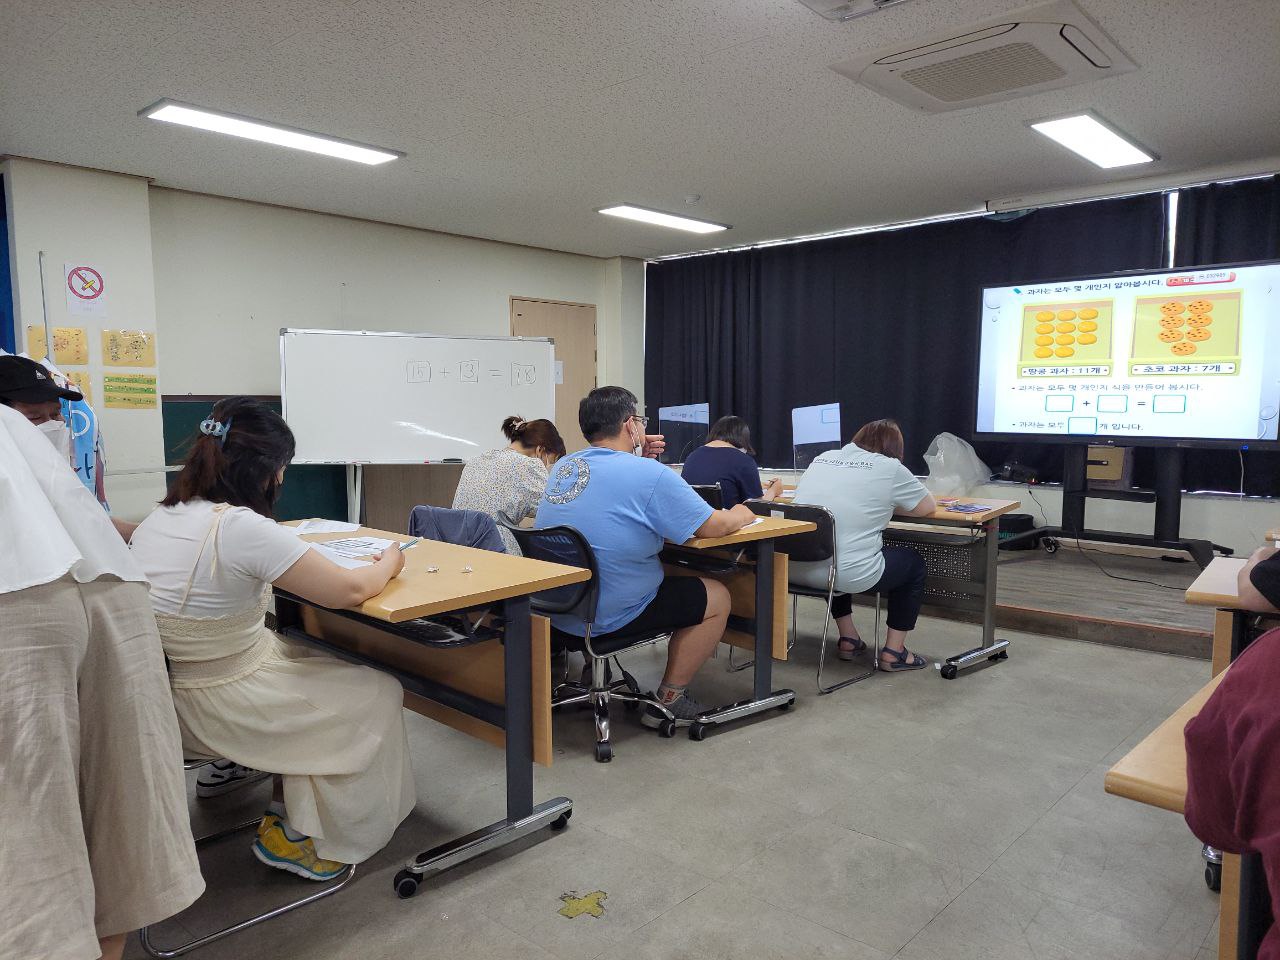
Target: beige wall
[[102, 220]]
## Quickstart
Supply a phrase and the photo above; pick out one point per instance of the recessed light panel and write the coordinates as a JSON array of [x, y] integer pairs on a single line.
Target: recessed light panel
[[1094, 140], [658, 218]]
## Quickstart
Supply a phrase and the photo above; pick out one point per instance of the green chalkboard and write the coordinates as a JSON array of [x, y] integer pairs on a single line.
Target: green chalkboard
[[308, 491]]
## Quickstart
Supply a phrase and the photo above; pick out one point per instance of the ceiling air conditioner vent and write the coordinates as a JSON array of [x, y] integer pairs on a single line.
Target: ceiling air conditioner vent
[[1039, 48]]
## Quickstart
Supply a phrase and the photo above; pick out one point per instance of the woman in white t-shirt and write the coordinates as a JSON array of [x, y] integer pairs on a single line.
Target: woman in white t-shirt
[[510, 480], [864, 484], [331, 731]]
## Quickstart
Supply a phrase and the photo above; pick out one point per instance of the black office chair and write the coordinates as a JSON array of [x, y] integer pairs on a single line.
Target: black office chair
[[578, 600], [818, 546], [711, 493]]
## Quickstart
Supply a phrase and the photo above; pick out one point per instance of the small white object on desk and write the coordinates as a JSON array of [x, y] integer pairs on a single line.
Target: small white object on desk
[[753, 523]]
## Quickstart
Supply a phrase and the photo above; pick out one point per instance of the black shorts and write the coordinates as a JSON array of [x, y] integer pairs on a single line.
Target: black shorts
[[681, 602]]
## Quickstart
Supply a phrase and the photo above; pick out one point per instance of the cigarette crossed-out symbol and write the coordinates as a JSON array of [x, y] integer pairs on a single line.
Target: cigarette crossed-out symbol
[[89, 282]]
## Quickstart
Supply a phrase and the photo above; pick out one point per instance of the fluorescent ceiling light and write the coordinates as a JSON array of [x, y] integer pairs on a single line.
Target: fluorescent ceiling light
[[657, 217], [234, 125], [1096, 141]]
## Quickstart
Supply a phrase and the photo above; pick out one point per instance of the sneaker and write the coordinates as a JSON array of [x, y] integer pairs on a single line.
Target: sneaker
[[274, 848], [223, 776], [683, 707]]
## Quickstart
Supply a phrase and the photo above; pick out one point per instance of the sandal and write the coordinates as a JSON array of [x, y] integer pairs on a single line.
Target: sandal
[[859, 646], [902, 660]]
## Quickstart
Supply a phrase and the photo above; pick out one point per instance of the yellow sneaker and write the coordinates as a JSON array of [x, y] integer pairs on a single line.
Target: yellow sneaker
[[299, 857]]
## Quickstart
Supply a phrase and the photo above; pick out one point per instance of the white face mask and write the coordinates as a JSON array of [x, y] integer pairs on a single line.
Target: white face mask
[[58, 434]]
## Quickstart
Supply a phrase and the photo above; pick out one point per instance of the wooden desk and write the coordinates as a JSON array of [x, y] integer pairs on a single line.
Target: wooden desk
[[481, 684], [760, 582], [977, 589]]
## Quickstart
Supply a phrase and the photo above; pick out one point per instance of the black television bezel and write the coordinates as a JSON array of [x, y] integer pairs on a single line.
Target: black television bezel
[[1094, 440]]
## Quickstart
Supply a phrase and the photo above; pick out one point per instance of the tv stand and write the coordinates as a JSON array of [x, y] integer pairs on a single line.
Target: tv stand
[[1167, 496]]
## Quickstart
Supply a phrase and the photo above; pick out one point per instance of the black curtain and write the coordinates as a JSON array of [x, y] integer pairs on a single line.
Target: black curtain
[[1225, 223], [886, 323]]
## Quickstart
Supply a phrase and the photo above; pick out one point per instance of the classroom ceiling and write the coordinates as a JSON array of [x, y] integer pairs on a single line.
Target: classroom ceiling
[[521, 117]]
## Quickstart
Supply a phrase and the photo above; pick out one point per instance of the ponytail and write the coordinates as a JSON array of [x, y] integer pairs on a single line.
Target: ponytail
[[512, 427]]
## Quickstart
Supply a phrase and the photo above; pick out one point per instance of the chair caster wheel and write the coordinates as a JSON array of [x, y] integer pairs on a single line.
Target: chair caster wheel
[[562, 821], [1213, 876], [784, 707], [950, 671], [406, 884], [604, 753], [667, 729], [1050, 546], [698, 731]]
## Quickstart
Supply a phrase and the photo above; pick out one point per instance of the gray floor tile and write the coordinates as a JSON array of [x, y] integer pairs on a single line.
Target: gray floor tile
[[722, 923], [878, 893]]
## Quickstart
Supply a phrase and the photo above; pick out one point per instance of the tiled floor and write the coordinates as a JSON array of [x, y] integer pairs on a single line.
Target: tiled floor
[[904, 816]]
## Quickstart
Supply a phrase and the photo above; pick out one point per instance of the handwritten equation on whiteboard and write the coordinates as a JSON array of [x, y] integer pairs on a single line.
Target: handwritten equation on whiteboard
[[470, 371]]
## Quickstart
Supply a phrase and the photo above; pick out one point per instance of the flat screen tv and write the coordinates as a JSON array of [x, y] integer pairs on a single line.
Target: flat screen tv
[[1186, 357]]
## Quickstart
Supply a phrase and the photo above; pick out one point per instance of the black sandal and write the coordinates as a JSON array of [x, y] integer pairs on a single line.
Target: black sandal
[[859, 646], [903, 660]]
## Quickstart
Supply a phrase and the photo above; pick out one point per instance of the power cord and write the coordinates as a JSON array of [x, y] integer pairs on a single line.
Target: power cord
[[1085, 553]]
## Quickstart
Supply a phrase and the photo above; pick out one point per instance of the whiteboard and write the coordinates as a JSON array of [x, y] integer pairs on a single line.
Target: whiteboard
[[355, 396]]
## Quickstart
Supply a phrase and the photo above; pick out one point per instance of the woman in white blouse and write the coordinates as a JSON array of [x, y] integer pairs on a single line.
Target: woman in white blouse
[[511, 479], [331, 731]]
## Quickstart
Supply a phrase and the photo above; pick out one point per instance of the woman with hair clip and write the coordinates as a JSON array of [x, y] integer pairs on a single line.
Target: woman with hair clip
[[864, 484], [727, 459], [510, 480], [332, 732]]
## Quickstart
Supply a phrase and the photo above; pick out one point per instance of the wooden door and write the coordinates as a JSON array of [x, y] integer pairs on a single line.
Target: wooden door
[[573, 327]]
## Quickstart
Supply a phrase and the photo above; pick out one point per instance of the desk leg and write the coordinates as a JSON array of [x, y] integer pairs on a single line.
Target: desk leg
[[523, 816], [991, 648], [763, 698]]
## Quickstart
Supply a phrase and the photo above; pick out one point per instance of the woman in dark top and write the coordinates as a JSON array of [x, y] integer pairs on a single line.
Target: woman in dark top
[[726, 459]]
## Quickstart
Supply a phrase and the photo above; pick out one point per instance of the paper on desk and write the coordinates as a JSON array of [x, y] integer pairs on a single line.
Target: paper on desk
[[753, 522], [325, 526], [357, 546], [349, 563]]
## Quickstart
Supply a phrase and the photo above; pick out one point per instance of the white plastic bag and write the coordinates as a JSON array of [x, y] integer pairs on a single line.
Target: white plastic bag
[[954, 467]]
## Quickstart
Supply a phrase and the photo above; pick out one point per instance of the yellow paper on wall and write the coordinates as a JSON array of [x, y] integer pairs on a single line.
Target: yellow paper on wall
[[128, 348], [70, 346], [129, 391], [80, 379], [35, 343]]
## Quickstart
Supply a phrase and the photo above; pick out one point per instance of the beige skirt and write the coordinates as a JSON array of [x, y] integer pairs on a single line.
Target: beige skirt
[[334, 730], [95, 837]]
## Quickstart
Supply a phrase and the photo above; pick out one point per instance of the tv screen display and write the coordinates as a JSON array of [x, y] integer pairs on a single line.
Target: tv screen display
[[1181, 357]]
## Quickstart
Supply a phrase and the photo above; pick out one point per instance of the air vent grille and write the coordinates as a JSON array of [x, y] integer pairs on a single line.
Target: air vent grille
[[984, 73]]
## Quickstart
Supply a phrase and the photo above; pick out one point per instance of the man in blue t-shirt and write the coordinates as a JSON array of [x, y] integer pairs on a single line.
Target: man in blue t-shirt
[[626, 505]]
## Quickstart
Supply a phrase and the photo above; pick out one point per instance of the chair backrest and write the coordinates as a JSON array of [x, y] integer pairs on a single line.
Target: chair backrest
[[567, 546], [711, 493], [816, 547], [468, 528]]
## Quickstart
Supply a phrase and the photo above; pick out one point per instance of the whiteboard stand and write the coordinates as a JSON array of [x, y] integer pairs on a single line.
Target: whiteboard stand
[[355, 491]]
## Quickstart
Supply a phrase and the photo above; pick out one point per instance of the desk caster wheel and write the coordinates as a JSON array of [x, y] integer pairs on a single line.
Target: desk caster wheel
[[784, 707], [406, 884], [698, 731], [604, 753], [997, 657], [1213, 876], [1050, 545], [562, 821], [950, 671], [667, 729]]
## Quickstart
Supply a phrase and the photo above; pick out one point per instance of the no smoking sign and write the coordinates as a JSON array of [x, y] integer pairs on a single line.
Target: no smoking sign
[[86, 290]]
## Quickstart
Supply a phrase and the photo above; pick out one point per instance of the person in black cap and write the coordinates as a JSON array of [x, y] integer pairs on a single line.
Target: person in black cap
[[30, 389]]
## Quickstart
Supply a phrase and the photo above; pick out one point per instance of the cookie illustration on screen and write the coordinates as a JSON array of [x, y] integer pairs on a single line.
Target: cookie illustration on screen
[[1172, 308], [1066, 326], [1198, 334], [1064, 351], [1087, 338], [1171, 323], [1088, 313], [1200, 320], [1044, 340], [1043, 352], [1170, 336], [1044, 316], [1087, 326], [1183, 349], [1044, 327], [1065, 339], [1066, 314], [1200, 306]]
